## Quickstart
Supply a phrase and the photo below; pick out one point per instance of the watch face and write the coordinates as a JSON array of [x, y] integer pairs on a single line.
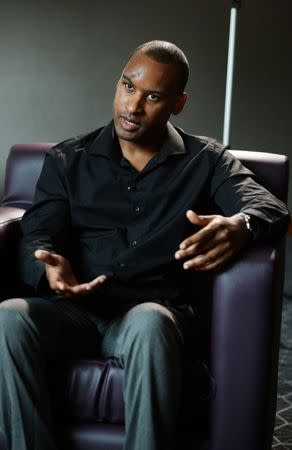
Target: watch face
[[252, 224], [247, 221]]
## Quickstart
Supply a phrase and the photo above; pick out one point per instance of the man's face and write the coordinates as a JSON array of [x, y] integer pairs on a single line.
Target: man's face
[[146, 95]]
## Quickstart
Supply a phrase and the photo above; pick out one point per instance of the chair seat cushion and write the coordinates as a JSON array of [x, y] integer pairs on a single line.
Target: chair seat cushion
[[93, 436], [89, 390]]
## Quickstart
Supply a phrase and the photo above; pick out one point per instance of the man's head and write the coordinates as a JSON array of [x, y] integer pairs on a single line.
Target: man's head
[[167, 53], [150, 89]]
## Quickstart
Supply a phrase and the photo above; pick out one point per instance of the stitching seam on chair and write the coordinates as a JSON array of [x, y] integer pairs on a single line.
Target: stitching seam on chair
[[11, 220]]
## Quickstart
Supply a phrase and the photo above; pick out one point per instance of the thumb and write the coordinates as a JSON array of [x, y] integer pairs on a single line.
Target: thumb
[[52, 259], [194, 218]]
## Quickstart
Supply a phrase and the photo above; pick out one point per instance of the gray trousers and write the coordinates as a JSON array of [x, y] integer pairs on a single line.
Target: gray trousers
[[147, 341]]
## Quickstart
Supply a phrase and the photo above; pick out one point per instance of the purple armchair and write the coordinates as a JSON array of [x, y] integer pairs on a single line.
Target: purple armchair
[[243, 338]]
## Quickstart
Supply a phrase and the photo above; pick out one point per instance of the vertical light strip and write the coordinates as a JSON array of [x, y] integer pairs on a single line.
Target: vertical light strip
[[229, 77]]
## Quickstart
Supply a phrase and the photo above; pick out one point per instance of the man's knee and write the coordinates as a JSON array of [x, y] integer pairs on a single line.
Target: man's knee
[[14, 304], [14, 329], [151, 320]]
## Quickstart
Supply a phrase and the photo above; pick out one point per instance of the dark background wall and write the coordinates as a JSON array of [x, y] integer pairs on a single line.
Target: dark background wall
[[59, 62]]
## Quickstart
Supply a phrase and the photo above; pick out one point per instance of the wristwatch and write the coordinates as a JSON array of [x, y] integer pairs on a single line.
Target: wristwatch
[[251, 224]]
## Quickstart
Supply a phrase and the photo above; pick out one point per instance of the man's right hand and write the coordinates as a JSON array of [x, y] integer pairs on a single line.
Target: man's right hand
[[61, 277]]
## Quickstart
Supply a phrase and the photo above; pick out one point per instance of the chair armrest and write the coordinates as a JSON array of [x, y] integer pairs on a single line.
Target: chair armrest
[[245, 329], [9, 229], [9, 239]]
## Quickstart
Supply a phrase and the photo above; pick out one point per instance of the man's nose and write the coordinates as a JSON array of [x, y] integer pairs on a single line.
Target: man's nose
[[135, 104]]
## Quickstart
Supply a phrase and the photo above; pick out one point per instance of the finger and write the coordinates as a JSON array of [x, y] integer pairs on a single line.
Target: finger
[[96, 282], [86, 288], [212, 257], [215, 224], [62, 288], [204, 245], [202, 237], [216, 264], [70, 291], [47, 257], [196, 219]]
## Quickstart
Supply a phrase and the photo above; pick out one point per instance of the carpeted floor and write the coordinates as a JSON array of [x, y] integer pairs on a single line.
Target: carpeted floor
[[283, 427]]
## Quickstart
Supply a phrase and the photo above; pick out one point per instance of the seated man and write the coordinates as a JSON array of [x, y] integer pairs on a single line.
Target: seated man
[[121, 217]]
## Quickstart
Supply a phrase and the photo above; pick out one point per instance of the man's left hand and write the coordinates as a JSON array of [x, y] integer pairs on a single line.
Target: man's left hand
[[217, 242]]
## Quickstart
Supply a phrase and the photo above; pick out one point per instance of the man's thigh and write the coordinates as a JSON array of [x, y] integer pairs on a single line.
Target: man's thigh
[[141, 322], [63, 328]]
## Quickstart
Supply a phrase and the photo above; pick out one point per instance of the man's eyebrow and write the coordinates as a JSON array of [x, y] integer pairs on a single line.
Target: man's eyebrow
[[154, 91], [127, 78]]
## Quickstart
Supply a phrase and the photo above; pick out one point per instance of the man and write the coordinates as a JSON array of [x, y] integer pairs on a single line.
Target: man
[[121, 217]]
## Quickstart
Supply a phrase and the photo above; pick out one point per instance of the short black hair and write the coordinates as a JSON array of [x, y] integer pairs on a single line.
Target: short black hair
[[167, 53]]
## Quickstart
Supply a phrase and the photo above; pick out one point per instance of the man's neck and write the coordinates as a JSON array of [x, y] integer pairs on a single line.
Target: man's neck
[[138, 155]]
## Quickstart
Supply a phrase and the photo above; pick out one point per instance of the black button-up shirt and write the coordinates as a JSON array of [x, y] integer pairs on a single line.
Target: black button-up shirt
[[95, 208]]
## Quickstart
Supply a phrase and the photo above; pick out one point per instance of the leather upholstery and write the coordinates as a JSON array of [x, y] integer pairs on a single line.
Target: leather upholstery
[[244, 331], [94, 391], [272, 170], [22, 171], [96, 436]]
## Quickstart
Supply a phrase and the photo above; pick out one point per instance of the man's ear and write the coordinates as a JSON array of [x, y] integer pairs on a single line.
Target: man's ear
[[180, 103]]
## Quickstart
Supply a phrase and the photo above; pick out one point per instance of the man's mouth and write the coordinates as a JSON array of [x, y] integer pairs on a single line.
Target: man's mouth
[[129, 124]]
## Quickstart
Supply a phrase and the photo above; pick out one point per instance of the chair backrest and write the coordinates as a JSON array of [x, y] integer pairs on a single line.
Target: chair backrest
[[25, 161], [23, 167], [272, 170]]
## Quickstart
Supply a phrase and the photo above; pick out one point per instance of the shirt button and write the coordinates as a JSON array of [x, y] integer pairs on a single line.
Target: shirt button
[[122, 266], [137, 209], [133, 244], [131, 187]]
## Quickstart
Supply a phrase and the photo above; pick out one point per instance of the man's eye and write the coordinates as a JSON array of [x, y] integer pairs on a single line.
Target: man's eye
[[129, 86], [153, 97]]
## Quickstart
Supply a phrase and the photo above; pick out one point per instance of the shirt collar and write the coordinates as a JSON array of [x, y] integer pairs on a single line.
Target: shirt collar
[[173, 144], [107, 144]]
